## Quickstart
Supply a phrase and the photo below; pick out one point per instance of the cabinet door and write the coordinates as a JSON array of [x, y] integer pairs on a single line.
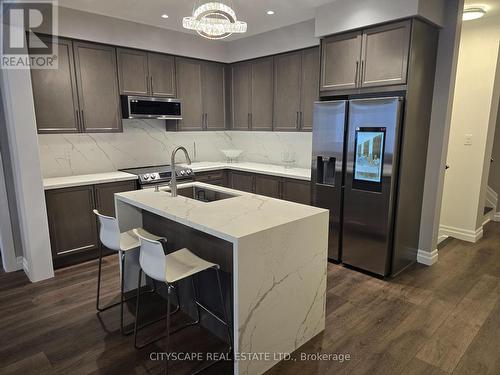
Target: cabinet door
[[97, 80], [240, 93], [385, 55], [297, 191], [309, 87], [132, 72], [105, 195], [340, 61], [242, 181], [189, 74], [214, 96], [72, 224], [161, 75], [287, 88], [262, 93], [268, 186], [55, 93]]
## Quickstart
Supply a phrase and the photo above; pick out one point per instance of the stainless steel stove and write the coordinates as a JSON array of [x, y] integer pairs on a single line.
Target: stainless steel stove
[[159, 175]]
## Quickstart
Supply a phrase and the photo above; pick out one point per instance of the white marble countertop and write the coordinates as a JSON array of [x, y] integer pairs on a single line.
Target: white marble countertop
[[229, 219], [87, 179], [269, 169]]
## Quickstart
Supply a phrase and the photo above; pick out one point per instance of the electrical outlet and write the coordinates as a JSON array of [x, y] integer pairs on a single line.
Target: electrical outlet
[[468, 140]]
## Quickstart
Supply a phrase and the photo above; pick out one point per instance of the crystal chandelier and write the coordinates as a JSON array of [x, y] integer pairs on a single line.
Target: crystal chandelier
[[214, 19]]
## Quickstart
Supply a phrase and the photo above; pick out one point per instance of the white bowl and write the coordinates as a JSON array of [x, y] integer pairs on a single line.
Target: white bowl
[[232, 154]]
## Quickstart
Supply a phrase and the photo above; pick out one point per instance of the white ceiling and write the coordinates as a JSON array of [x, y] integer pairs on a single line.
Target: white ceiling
[[287, 12], [491, 6]]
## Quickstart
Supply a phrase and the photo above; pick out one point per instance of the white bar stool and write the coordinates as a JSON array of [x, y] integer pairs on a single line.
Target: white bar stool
[[169, 269], [111, 237]]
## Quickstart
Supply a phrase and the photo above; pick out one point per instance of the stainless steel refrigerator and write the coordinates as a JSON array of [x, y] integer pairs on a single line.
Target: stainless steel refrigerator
[[354, 174]]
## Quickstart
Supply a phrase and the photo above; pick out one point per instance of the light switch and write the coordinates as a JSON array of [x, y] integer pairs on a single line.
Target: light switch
[[468, 140]]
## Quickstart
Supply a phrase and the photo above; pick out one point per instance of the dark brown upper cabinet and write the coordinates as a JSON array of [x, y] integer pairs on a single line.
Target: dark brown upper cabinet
[[189, 89], [370, 58], [240, 93], [287, 90], [261, 115], [201, 88], [97, 80], [56, 88], [296, 85], [161, 75], [384, 58], [214, 96], [252, 94], [146, 73], [133, 72], [310, 87], [340, 61]]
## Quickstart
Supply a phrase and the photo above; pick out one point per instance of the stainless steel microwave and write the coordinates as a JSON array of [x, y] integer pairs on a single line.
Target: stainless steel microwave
[[150, 107]]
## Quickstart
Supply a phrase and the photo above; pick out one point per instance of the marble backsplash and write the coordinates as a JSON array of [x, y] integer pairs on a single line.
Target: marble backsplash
[[145, 142]]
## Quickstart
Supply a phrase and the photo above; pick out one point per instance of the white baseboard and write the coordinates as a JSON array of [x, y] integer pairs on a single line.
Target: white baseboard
[[491, 197], [26, 267], [442, 237], [461, 234], [424, 257]]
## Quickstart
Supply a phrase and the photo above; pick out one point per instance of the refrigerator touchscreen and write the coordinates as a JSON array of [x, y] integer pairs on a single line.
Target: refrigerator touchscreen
[[369, 158]]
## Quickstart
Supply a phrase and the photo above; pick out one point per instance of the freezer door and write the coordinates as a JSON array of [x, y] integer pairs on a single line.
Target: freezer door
[[327, 166], [371, 173]]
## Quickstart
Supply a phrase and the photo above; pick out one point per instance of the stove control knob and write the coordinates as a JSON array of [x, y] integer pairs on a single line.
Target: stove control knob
[[188, 171], [183, 173], [153, 177], [146, 177]]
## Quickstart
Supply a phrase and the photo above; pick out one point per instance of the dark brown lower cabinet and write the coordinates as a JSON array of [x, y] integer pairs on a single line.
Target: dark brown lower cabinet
[[218, 178], [73, 226], [268, 186], [242, 181], [288, 189], [105, 195], [296, 191]]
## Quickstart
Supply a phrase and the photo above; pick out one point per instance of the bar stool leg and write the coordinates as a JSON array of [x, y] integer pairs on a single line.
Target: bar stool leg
[[122, 292], [224, 310], [195, 296], [167, 336], [98, 308]]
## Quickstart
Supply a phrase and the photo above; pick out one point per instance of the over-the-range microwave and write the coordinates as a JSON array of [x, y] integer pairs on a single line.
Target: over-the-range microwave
[[147, 107]]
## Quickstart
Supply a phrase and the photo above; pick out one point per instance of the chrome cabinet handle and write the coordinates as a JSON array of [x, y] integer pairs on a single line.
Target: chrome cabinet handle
[[152, 87], [362, 73], [147, 85], [83, 119], [356, 75], [78, 125], [297, 120]]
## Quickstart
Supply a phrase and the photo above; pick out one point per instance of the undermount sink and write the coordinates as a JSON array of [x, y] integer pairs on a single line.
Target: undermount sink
[[203, 194]]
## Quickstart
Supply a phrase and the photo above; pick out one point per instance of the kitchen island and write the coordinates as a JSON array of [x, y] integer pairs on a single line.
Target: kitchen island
[[274, 253]]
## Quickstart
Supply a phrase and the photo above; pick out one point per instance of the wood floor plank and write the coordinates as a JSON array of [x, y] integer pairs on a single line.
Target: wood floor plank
[[449, 314], [449, 343]]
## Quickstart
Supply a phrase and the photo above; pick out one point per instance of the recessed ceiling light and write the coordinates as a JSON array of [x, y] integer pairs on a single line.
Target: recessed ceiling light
[[473, 13], [165, 16], [270, 12]]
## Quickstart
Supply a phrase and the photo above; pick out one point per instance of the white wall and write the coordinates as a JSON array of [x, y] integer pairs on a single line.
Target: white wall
[[9, 259], [300, 35], [147, 143], [444, 87], [472, 108], [24, 155], [344, 15]]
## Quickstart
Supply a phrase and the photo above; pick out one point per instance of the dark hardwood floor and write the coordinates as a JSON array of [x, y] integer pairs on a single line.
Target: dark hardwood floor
[[438, 320]]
